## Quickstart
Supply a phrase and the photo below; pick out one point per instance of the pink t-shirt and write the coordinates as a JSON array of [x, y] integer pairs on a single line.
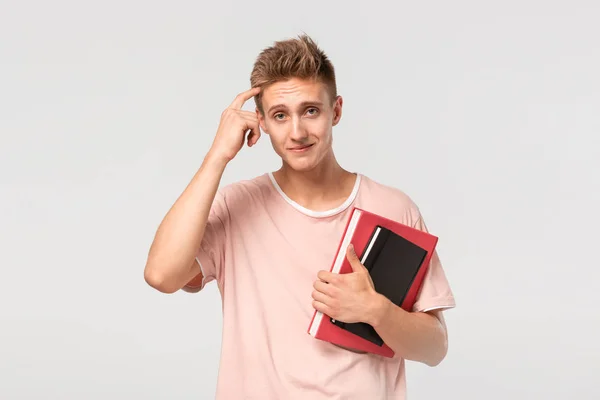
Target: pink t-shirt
[[264, 251]]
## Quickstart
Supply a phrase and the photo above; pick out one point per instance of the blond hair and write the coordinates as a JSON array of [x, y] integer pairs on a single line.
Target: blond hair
[[292, 58]]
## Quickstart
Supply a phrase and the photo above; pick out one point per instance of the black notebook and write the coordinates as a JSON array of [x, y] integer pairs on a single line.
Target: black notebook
[[393, 263]]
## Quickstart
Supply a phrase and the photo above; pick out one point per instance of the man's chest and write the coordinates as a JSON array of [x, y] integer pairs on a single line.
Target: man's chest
[[272, 267]]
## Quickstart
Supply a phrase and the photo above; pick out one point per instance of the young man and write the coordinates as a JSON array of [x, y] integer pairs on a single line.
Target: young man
[[269, 241]]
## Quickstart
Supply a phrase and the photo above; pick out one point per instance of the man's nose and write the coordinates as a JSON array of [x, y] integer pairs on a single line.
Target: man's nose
[[298, 132]]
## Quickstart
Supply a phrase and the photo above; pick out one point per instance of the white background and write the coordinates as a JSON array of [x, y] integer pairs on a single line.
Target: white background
[[486, 113]]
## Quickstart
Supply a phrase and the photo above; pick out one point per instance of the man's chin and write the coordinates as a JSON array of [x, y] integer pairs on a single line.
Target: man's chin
[[301, 166]]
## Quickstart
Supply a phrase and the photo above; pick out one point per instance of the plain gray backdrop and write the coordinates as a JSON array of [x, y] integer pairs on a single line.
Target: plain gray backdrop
[[486, 113]]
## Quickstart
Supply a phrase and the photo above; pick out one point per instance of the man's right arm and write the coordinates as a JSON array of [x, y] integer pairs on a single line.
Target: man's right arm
[[171, 262]]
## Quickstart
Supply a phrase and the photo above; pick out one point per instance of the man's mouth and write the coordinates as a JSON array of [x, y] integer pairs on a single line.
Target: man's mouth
[[301, 148]]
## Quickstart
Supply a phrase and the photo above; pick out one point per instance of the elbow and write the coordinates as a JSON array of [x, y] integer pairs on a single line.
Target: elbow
[[157, 280], [435, 361], [439, 354]]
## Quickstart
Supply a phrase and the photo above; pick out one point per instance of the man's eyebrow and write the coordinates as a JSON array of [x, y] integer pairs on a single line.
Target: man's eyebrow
[[302, 105]]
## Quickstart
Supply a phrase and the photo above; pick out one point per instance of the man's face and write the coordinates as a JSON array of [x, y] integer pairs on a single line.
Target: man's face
[[298, 117]]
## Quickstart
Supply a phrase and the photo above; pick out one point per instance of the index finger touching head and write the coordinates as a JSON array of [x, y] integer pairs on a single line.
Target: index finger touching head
[[241, 98]]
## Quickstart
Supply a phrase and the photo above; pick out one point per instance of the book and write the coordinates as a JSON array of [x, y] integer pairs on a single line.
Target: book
[[397, 257]]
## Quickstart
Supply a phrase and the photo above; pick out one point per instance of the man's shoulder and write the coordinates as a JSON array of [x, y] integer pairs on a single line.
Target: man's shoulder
[[390, 200], [244, 186], [244, 192], [378, 189]]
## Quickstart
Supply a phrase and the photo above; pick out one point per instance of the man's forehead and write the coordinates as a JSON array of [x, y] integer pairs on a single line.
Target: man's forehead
[[294, 91]]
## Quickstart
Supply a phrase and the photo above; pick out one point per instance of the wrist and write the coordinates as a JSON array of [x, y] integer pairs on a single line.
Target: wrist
[[213, 158], [380, 309]]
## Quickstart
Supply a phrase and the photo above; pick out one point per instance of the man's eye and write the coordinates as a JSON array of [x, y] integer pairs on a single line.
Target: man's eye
[[278, 116], [312, 111]]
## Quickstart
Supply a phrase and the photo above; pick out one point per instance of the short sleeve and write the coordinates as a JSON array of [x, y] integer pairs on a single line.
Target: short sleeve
[[210, 254], [435, 292]]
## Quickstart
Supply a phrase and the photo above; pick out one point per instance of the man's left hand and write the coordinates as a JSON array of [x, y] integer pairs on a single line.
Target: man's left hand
[[348, 297]]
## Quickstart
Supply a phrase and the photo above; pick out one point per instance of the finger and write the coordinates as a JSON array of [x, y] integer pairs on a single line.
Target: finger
[[321, 297], [252, 139], [317, 305], [247, 115], [327, 276], [353, 259], [254, 135], [241, 98], [325, 288]]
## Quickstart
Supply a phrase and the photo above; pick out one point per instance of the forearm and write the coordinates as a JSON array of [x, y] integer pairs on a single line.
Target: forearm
[[171, 257], [413, 336]]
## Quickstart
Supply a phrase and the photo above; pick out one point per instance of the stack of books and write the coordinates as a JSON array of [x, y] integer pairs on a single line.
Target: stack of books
[[397, 257]]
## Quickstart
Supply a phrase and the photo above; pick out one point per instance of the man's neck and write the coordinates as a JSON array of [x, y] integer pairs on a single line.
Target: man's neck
[[320, 189]]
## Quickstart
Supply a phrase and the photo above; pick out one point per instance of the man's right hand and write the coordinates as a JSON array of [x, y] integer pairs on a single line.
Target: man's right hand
[[234, 124], [171, 263]]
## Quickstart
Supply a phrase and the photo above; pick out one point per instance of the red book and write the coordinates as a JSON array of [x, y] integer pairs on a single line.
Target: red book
[[397, 257]]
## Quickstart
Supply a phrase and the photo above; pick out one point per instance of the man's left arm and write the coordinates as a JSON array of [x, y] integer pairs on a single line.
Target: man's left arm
[[351, 297], [416, 336]]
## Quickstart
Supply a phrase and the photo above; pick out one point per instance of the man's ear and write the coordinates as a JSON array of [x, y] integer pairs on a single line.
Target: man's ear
[[337, 110], [261, 120]]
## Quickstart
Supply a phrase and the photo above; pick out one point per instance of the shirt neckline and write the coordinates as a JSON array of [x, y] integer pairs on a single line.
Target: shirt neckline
[[313, 213]]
